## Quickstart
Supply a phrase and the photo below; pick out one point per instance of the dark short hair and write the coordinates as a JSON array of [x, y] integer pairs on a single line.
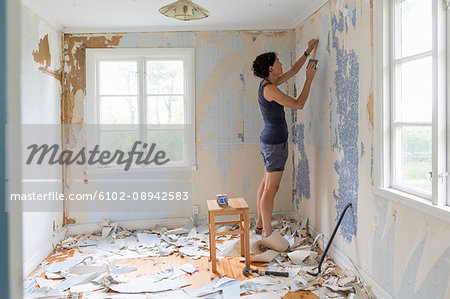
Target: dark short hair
[[262, 63]]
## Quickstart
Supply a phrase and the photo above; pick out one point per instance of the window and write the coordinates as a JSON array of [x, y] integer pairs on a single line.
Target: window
[[144, 95], [412, 93], [415, 95]]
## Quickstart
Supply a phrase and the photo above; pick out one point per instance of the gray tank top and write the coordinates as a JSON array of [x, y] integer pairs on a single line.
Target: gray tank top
[[275, 127]]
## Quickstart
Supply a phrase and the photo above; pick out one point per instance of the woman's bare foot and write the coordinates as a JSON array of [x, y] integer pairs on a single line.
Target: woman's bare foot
[[259, 224], [265, 234]]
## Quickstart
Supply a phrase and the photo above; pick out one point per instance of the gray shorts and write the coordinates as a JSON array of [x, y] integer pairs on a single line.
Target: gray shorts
[[274, 155]]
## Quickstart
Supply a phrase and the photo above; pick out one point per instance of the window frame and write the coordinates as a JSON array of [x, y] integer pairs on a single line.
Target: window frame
[[394, 124], [382, 112], [447, 21], [141, 55]]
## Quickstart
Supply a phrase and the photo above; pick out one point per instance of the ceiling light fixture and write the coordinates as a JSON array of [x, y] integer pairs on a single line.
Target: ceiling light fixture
[[184, 10]]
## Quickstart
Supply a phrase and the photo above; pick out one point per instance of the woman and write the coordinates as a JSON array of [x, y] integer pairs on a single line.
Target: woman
[[273, 140]]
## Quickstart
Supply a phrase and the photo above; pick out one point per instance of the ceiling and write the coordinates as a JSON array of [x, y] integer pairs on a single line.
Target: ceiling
[[81, 16]]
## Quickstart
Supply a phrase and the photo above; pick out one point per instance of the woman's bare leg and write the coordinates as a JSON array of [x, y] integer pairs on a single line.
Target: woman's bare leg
[[258, 201], [272, 183]]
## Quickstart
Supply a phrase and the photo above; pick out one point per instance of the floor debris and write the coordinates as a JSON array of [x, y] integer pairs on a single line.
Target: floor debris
[[93, 270], [146, 285], [298, 256], [265, 256]]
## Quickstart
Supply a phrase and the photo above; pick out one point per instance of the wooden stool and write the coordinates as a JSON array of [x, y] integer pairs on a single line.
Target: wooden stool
[[236, 206]]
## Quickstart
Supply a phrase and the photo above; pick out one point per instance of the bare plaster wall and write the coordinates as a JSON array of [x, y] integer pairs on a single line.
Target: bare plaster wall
[[228, 120], [404, 250]]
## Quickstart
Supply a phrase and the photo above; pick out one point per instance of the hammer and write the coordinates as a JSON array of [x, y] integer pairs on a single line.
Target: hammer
[[247, 272]]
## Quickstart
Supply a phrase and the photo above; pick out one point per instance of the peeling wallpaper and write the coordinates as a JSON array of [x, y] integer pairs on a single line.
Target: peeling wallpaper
[[404, 251], [228, 120], [42, 55], [346, 96]]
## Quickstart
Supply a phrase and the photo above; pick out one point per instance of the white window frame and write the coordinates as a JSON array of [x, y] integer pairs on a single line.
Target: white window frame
[[438, 204], [447, 80], [187, 55], [393, 14]]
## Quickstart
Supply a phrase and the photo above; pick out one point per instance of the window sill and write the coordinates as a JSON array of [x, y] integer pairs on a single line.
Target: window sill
[[414, 202], [141, 170]]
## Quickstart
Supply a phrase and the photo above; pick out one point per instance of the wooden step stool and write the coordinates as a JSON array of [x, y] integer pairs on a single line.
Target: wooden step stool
[[236, 206]]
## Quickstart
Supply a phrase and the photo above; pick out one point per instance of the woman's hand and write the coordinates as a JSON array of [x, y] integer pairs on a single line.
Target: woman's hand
[[312, 45], [311, 71]]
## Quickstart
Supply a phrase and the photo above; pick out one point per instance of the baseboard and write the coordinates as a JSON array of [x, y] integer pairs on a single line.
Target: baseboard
[[377, 290], [89, 228], [36, 259], [344, 262], [169, 223]]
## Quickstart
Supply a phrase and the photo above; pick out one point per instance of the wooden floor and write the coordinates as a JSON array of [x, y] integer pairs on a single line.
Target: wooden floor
[[151, 266]]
